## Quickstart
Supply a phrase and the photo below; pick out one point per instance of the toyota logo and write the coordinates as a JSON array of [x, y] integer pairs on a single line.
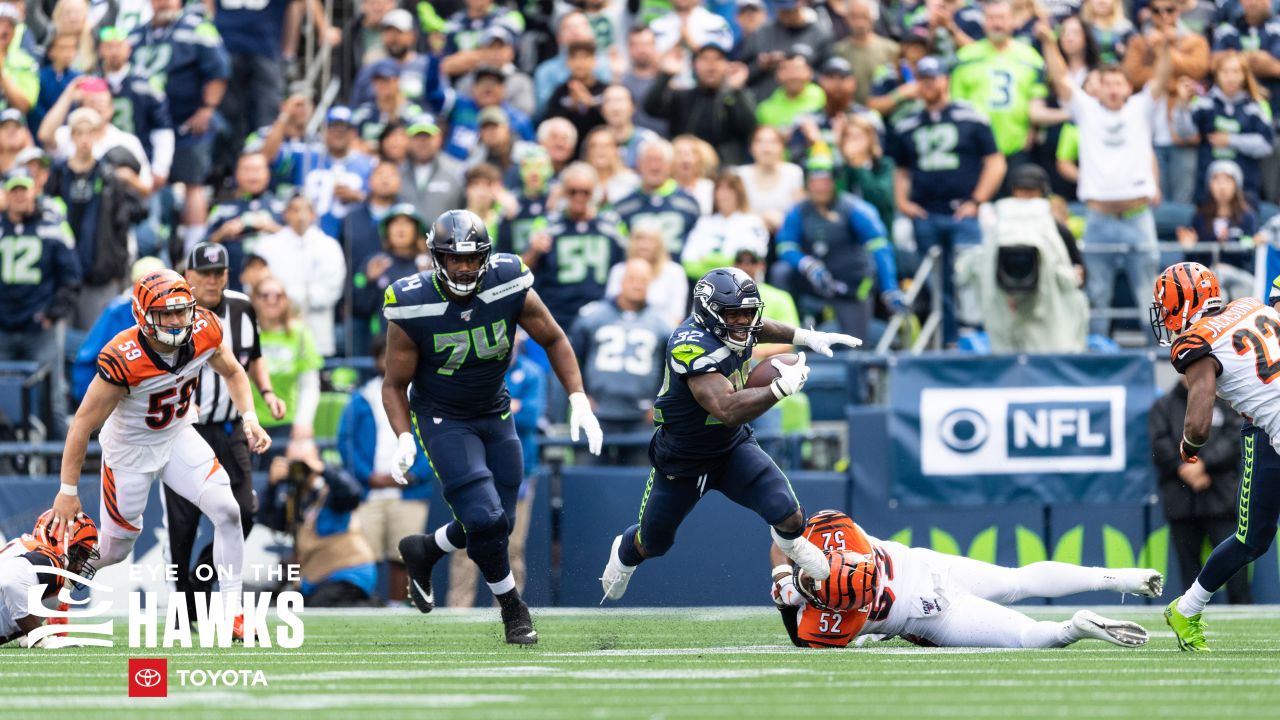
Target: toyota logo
[[147, 677], [964, 430]]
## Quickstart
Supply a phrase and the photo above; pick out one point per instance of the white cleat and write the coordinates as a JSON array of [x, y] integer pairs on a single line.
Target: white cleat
[[616, 575], [1116, 632], [813, 561], [1139, 581]]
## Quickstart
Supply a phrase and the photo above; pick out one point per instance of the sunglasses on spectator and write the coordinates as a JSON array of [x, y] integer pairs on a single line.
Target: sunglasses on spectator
[[577, 191], [1164, 10]]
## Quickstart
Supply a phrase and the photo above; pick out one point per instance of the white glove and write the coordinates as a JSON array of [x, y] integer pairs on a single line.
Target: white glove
[[790, 377], [581, 418], [785, 592], [823, 341], [406, 454]]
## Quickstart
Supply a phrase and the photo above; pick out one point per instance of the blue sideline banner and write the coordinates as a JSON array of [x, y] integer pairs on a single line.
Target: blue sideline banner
[[1015, 429]]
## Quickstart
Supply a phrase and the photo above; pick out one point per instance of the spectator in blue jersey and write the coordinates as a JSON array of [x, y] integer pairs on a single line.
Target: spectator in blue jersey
[[252, 214], [420, 76], [287, 141], [143, 111], [838, 84], [552, 73], [361, 237], [315, 503], [498, 44], [948, 165], [464, 31], [389, 510], [56, 74], [893, 89], [1231, 122], [1254, 30], [403, 253], [430, 180], [578, 99], [116, 317], [487, 91], [389, 105], [38, 288], [571, 253], [659, 198], [334, 176], [834, 248], [183, 53]]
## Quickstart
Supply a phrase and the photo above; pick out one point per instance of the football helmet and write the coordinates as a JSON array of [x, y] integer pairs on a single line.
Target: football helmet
[[460, 233], [830, 529], [1184, 293], [726, 289], [79, 551], [164, 291], [852, 585]]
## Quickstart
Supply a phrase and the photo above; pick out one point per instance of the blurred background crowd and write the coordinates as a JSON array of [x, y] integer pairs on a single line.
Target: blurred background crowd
[[936, 174]]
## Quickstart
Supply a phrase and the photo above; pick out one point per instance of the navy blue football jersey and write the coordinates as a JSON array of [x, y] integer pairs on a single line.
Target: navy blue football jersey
[[575, 272], [944, 154], [463, 347], [689, 441]]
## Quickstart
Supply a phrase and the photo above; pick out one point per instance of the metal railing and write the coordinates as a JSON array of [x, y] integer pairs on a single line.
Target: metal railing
[[930, 265]]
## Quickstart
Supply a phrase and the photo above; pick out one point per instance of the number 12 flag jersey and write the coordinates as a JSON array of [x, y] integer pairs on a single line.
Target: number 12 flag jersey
[[1244, 341], [140, 433]]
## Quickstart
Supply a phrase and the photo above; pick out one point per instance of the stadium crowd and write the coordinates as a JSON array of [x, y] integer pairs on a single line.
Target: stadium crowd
[[622, 149]]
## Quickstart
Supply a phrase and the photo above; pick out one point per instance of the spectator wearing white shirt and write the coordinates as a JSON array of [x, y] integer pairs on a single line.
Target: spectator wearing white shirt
[[732, 224], [690, 22], [669, 289], [91, 93], [311, 267]]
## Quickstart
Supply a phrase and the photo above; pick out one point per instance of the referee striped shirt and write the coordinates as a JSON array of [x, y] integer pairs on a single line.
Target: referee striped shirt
[[240, 327]]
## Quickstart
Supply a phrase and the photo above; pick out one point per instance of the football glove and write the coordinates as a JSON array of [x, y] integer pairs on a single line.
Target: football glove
[[791, 378], [823, 341], [582, 419], [784, 590], [895, 300], [823, 282], [406, 454]]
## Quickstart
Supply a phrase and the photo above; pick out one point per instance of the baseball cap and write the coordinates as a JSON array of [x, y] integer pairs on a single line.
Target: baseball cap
[[491, 71], [498, 33], [386, 68], [12, 115], [1029, 176], [836, 65], [398, 19], [930, 67], [493, 115], [19, 177], [423, 124], [712, 45], [207, 256], [338, 115], [916, 35], [9, 12], [111, 32], [30, 154], [402, 210]]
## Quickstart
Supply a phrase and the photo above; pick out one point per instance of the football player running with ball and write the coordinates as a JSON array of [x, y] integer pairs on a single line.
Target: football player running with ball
[[703, 441], [1227, 349], [450, 336]]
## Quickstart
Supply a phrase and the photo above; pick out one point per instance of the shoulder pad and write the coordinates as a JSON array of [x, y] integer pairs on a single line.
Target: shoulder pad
[[695, 351], [507, 275], [1188, 348]]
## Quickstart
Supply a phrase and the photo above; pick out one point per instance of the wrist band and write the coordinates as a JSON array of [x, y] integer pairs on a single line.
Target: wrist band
[[72, 490], [783, 569], [1187, 442]]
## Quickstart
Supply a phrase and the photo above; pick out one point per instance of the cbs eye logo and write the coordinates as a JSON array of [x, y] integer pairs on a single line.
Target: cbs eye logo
[[964, 430]]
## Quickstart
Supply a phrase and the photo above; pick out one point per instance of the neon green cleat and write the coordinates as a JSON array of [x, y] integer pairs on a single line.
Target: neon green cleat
[[1189, 630]]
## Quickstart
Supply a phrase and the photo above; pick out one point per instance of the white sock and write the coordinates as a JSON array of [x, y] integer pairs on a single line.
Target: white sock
[[1194, 599], [503, 586], [442, 539], [1049, 634], [228, 542]]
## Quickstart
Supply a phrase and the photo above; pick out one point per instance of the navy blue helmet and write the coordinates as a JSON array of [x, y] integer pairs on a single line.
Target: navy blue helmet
[[726, 289], [460, 233]]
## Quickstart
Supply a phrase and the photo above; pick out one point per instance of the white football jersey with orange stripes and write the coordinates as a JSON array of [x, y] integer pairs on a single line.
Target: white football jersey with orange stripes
[[139, 434], [1244, 341]]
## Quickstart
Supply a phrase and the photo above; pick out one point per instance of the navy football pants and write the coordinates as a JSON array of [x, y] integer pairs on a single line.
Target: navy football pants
[[1256, 516]]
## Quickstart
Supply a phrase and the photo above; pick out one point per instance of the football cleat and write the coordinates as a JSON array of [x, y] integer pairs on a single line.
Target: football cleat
[[415, 561], [237, 629], [518, 625], [1188, 630], [814, 562], [1116, 632], [1146, 582], [616, 575]]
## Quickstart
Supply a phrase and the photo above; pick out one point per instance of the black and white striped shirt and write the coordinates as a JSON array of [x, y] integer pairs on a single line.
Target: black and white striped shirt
[[240, 326]]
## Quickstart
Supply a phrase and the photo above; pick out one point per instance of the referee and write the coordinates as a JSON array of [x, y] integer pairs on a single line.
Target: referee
[[219, 423]]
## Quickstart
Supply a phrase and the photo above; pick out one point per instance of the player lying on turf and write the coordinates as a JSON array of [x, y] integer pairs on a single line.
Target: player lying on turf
[[703, 441], [1227, 349], [21, 564], [883, 589]]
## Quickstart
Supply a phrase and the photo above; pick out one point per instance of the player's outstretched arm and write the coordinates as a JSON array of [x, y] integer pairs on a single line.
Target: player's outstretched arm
[[224, 363], [823, 342], [1202, 381], [402, 363], [537, 321], [99, 400]]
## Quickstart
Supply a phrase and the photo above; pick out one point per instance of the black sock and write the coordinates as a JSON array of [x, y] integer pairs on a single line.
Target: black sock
[[509, 599], [433, 551]]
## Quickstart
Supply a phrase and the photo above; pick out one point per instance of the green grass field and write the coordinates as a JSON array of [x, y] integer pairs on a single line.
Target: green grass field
[[703, 663]]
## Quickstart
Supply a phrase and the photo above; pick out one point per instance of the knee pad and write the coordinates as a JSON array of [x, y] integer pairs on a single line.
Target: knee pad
[[485, 541]]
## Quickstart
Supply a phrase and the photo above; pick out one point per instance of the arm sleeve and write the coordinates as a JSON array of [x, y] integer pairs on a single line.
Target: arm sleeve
[[787, 241], [352, 426], [866, 224], [1189, 348], [1254, 144]]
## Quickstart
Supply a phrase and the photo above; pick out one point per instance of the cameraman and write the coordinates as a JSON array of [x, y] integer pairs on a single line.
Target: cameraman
[[314, 504]]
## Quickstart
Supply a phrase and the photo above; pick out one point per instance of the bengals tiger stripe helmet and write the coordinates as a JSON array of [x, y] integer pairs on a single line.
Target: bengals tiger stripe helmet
[[1184, 293], [160, 292], [80, 550], [851, 586]]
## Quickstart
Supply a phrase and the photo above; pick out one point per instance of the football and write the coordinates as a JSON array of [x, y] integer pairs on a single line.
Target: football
[[764, 373]]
